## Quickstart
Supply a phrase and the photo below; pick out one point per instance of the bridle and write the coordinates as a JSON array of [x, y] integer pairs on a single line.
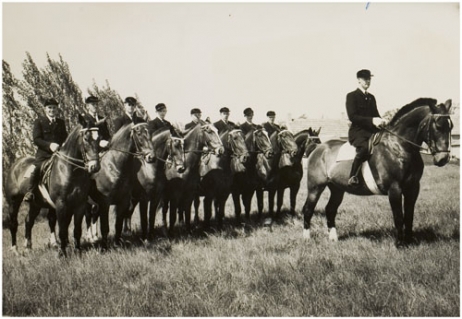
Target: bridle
[[283, 143], [210, 149], [235, 151], [426, 123], [80, 163], [169, 159], [261, 149], [138, 148]]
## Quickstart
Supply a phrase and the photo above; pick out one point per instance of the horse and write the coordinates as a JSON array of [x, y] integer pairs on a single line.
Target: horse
[[290, 176], [112, 185], [182, 187], [257, 171], [285, 149], [68, 184], [151, 181], [217, 174], [396, 165]]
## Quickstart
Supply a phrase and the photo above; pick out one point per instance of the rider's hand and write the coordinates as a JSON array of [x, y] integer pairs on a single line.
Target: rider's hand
[[54, 147], [378, 122], [103, 143]]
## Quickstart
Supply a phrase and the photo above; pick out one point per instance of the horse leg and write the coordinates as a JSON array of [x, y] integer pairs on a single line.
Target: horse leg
[[104, 223], [79, 214], [410, 197], [34, 210], [207, 211], [152, 214], [280, 200], [197, 202], [268, 221], [120, 211], [144, 218], [64, 219], [127, 219], [52, 243], [237, 205], [259, 193], [336, 198], [314, 192], [395, 195], [293, 198], [173, 212], [14, 206], [247, 200]]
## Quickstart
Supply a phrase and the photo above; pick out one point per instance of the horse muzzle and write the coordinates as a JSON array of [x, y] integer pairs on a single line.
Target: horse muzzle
[[269, 154], [180, 168], [441, 158], [149, 157], [93, 166]]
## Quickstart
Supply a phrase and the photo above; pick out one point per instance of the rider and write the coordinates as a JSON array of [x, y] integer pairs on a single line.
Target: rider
[[49, 133], [365, 121], [270, 126], [196, 115], [248, 125], [129, 116], [97, 120], [160, 120], [224, 125]]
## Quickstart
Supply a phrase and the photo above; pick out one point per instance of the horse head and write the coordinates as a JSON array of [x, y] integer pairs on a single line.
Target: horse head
[[311, 140], [236, 144], [212, 139], [437, 129], [89, 145], [262, 142], [141, 138], [176, 154]]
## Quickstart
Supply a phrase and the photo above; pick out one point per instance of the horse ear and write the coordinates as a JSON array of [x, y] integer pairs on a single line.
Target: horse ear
[[448, 105], [318, 131], [82, 121], [208, 120]]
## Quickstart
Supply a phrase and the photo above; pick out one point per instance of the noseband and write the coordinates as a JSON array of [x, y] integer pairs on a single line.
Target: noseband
[[173, 140], [259, 144], [430, 134], [283, 143], [235, 151], [80, 163]]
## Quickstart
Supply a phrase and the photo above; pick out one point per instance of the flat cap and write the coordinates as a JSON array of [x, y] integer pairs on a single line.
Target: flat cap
[[50, 102], [160, 107], [195, 111], [224, 109], [248, 111], [363, 74], [130, 100], [270, 113], [91, 99]]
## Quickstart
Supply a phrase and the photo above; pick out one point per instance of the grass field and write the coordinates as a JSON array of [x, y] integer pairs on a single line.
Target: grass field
[[256, 271]]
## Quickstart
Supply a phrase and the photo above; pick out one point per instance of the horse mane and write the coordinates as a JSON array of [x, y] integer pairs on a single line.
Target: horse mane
[[121, 132], [411, 106], [70, 145]]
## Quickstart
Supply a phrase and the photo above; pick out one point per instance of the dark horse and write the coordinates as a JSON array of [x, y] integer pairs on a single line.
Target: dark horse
[[396, 165], [257, 170], [217, 174], [66, 191], [114, 182], [285, 149], [290, 176], [151, 181], [182, 187]]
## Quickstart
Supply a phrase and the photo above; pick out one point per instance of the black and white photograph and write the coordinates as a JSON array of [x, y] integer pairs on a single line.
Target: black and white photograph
[[231, 159]]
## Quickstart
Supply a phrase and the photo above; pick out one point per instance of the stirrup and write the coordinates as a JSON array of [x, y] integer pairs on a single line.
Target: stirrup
[[29, 197], [353, 181]]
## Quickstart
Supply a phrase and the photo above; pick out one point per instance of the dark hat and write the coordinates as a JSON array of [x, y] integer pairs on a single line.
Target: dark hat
[[363, 74], [160, 107], [91, 99], [195, 111], [270, 113], [224, 109], [130, 100], [51, 102], [248, 111]]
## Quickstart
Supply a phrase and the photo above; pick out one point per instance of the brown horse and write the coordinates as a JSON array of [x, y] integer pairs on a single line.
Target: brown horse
[[66, 190], [114, 182], [290, 176], [396, 165], [217, 174], [285, 149], [257, 171], [182, 187]]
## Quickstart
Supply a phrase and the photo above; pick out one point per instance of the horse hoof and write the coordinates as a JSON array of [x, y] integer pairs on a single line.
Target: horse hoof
[[306, 234], [333, 235], [267, 222], [15, 251], [164, 232], [127, 233]]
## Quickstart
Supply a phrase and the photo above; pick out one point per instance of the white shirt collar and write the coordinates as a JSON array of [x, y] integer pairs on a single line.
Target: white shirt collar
[[362, 90], [50, 118], [160, 118]]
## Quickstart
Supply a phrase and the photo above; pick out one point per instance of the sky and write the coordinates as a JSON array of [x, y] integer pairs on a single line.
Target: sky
[[292, 58]]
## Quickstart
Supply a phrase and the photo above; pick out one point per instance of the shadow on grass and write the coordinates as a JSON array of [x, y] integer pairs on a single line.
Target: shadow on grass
[[425, 235]]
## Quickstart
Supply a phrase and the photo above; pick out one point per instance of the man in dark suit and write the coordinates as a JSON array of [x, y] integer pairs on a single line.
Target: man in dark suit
[[224, 125], [160, 120], [196, 115], [97, 120], [129, 116], [365, 121], [270, 126], [248, 125], [49, 133]]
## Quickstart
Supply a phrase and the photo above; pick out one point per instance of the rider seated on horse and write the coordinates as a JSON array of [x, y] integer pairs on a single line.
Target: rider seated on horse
[[97, 120], [270, 126], [365, 121], [48, 134], [248, 125], [224, 125]]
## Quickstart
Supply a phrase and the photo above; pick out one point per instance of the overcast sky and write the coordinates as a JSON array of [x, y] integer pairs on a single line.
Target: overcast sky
[[298, 58]]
